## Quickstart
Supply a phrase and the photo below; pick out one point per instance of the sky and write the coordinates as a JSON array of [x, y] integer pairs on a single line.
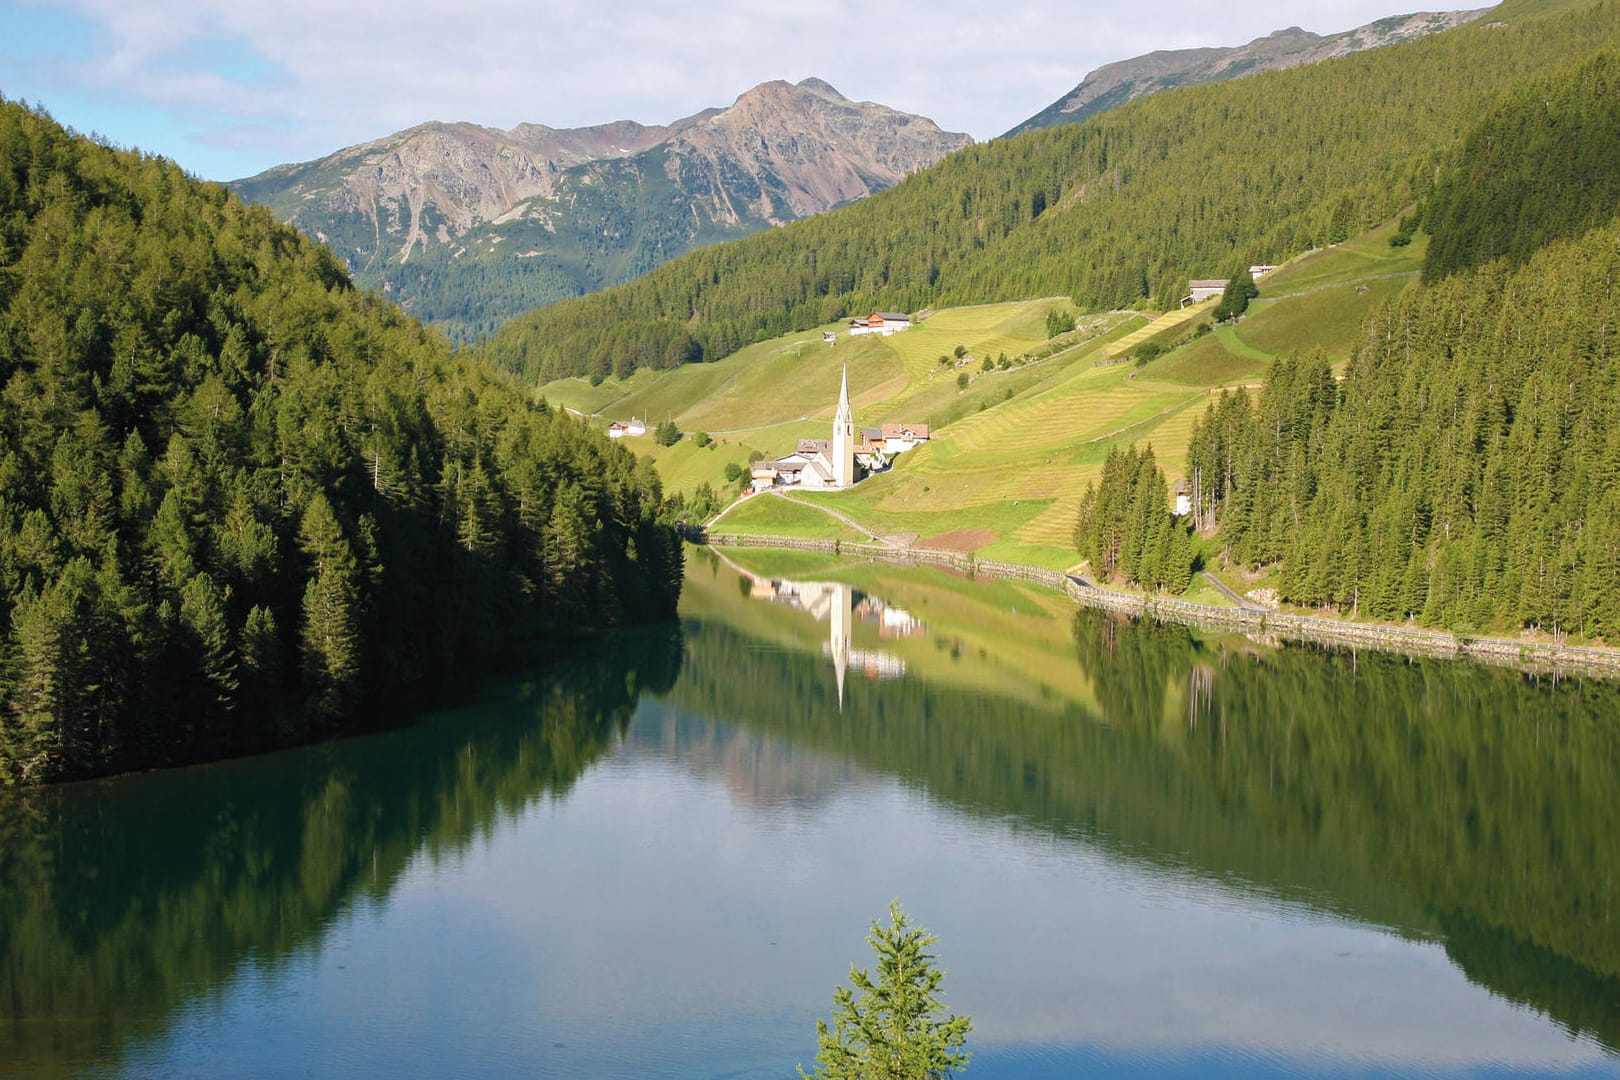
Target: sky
[[231, 88]]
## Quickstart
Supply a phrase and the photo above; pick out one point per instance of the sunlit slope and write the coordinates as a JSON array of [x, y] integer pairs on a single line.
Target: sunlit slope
[[1013, 452], [1127, 205], [773, 393], [1016, 471]]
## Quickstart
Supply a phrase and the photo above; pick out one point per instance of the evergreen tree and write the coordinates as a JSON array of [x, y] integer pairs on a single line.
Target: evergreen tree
[[1240, 289], [235, 492], [331, 644], [893, 1027]]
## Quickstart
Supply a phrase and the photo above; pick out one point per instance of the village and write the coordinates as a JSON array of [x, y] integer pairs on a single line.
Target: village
[[852, 452]]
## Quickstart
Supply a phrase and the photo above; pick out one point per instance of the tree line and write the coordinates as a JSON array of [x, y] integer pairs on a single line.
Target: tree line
[[1125, 528], [1466, 471], [243, 503]]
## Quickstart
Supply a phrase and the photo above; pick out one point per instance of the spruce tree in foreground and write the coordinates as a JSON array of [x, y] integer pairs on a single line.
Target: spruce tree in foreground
[[892, 1028]]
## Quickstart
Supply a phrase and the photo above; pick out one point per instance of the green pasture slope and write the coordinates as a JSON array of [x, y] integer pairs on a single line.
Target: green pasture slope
[[1013, 451]]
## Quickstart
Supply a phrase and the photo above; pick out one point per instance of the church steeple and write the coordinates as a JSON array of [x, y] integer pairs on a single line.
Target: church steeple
[[843, 598], [843, 440]]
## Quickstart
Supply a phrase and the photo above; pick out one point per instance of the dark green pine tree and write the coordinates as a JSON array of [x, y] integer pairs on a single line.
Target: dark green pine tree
[[331, 644]]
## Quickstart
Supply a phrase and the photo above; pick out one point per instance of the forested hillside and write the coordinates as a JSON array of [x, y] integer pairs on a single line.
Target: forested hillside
[[1467, 470], [242, 503], [1112, 85], [1130, 204], [1543, 166]]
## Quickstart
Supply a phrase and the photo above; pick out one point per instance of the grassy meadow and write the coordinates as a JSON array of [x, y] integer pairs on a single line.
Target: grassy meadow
[[1013, 451]]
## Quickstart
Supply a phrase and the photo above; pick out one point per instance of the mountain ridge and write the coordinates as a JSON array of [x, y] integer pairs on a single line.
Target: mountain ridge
[[444, 211], [1112, 85], [1129, 205]]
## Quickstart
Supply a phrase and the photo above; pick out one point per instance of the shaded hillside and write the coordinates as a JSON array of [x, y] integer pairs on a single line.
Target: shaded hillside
[[242, 503], [1129, 204], [1112, 85], [1543, 166], [466, 226]]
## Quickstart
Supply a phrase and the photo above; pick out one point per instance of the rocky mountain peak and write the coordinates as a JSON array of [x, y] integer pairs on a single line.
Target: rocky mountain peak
[[822, 88], [438, 194]]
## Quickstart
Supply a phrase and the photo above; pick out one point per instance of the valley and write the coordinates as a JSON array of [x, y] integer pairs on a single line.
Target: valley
[[1012, 452], [509, 600]]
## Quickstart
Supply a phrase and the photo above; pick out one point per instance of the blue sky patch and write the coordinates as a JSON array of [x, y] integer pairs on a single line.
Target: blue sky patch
[[33, 34], [228, 58]]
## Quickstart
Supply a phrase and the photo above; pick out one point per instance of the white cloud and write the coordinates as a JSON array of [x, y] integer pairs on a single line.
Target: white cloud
[[293, 79]]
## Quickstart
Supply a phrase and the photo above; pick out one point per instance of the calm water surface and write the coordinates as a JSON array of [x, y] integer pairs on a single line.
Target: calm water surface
[[1146, 852]]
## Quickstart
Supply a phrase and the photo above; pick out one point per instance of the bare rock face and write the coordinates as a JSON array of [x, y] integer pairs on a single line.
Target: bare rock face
[[566, 211], [463, 174], [1112, 85], [818, 147]]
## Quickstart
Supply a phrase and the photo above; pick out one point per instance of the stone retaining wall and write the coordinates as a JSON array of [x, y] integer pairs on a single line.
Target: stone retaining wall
[[1532, 655]]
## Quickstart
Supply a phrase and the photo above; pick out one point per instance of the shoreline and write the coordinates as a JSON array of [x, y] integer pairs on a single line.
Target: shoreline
[[1530, 656]]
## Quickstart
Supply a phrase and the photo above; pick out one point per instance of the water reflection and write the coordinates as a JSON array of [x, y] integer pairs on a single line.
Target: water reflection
[[1144, 850], [840, 606], [124, 901], [1467, 805]]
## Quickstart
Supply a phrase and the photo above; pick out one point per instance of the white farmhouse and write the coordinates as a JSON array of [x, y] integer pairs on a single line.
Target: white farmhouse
[[881, 322]]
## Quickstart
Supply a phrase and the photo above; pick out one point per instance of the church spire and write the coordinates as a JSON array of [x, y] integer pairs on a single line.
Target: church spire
[[843, 440]]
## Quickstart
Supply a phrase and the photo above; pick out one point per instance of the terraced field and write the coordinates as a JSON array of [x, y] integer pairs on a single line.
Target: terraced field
[[1013, 452], [1170, 320]]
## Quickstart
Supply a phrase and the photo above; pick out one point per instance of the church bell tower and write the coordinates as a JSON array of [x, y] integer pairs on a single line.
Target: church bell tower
[[843, 438]]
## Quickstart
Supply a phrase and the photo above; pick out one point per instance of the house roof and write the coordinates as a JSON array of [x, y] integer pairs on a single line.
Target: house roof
[[905, 431], [1209, 283], [812, 447], [892, 316]]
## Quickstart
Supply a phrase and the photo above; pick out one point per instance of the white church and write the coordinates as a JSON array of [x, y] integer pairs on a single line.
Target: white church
[[817, 464]]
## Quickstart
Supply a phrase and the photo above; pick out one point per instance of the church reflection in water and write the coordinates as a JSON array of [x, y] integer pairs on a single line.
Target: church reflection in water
[[844, 607]]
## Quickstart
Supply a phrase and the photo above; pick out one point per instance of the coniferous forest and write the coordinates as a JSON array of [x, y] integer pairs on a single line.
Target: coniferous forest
[[243, 503], [1125, 206], [1466, 471]]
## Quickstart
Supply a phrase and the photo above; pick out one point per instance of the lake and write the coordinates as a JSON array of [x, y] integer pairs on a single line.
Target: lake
[[1145, 850]]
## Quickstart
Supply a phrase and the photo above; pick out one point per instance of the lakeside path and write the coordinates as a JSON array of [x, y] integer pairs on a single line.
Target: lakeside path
[[834, 514], [1532, 656], [1222, 588]]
